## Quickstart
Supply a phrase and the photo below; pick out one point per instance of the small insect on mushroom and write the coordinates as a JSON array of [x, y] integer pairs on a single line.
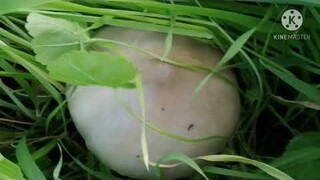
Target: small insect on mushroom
[[114, 135], [190, 127]]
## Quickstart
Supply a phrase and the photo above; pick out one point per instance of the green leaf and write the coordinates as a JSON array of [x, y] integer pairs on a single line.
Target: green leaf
[[9, 170], [53, 37], [27, 163], [298, 157], [305, 171], [301, 159], [309, 139], [92, 68], [8, 6]]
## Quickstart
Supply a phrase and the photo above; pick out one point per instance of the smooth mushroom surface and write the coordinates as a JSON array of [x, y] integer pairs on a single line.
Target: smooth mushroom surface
[[172, 105]]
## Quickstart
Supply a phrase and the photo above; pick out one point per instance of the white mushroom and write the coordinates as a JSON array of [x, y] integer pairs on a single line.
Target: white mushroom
[[114, 135]]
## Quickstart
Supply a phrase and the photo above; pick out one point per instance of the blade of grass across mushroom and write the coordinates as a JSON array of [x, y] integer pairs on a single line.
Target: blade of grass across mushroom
[[222, 171], [144, 142], [270, 170], [235, 48], [97, 41], [182, 158], [231, 52], [240, 42], [139, 84], [169, 37]]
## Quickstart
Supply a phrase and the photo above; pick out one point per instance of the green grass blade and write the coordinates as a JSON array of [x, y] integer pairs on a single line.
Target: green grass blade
[[144, 144], [306, 89], [16, 100], [9, 170], [182, 158], [36, 71], [235, 47], [15, 5], [233, 158], [44, 150], [27, 163], [235, 173], [98, 175], [169, 39], [14, 38], [57, 169]]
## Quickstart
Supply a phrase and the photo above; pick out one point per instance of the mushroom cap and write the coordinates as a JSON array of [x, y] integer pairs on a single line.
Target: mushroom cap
[[114, 135]]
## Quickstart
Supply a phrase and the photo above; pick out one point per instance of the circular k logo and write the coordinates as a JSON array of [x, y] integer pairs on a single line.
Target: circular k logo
[[291, 19]]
